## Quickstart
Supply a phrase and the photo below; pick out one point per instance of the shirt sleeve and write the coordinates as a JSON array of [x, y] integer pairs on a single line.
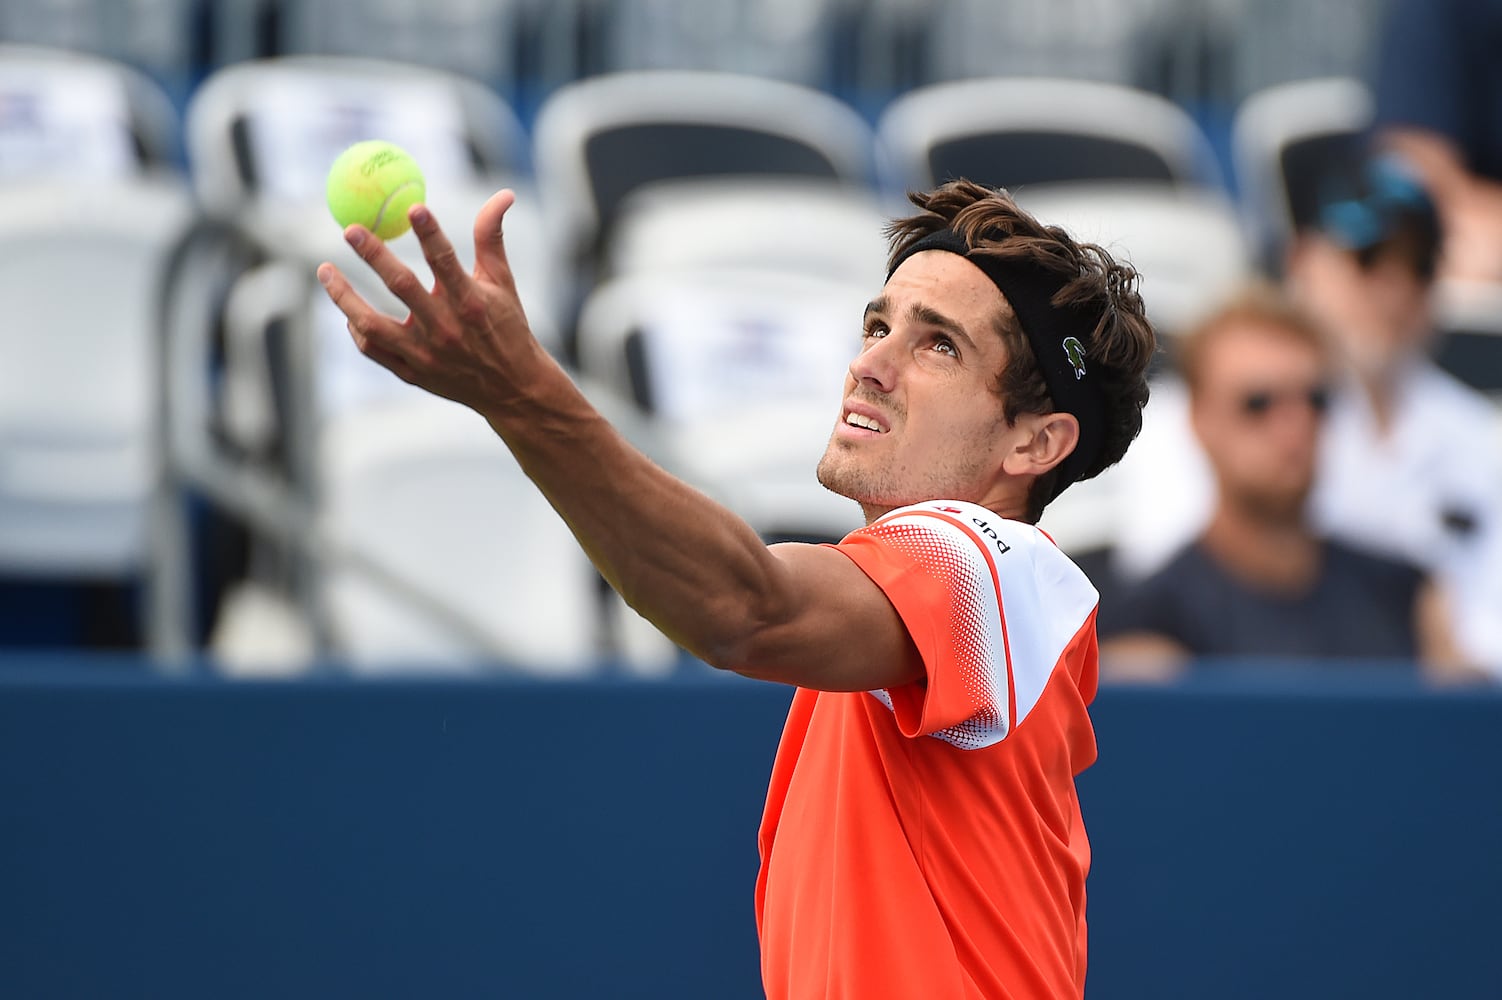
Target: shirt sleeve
[[992, 606]]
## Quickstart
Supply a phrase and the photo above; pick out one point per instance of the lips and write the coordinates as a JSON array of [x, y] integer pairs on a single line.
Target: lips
[[864, 417]]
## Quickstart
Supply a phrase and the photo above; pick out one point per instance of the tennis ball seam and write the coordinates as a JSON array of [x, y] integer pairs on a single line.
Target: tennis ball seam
[[380, 216]]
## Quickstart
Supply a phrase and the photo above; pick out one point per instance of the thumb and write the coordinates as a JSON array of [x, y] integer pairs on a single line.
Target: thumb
[[490, 247]]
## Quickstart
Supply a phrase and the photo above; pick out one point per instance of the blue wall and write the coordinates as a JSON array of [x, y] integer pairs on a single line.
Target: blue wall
[[204, 839]]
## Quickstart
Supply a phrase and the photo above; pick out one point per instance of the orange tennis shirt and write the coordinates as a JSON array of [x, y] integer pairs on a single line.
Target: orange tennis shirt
[[926, 841]]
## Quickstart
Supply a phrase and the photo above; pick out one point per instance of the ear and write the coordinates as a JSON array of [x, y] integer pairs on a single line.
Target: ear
[[1047, 440]]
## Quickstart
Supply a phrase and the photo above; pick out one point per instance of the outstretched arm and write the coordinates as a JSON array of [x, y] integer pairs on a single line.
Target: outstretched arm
[[801, 614]]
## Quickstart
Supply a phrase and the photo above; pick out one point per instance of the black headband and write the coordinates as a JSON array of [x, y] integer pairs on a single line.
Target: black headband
[[1059, 335]]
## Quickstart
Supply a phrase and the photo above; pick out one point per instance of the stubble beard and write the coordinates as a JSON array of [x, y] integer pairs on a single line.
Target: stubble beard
[[1284, 508], [881, 485], [839, 472]]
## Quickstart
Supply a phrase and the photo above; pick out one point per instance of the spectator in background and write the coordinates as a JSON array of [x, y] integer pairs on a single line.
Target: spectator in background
[[1260, 581], [1410, 463], [1439, 103]]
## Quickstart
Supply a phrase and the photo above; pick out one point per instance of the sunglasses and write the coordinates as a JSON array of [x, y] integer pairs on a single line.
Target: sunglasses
[[1260, 402]]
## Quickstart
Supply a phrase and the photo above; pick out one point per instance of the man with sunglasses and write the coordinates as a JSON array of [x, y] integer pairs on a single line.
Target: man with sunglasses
[[1259, 581], [1408, 462]]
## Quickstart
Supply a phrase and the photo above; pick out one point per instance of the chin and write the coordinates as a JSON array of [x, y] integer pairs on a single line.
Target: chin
[[1281, 507], [852, 484]]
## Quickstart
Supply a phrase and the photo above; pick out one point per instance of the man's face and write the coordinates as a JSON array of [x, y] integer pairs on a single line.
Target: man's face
[[1375, 305], [921, 418], [1257, 410]]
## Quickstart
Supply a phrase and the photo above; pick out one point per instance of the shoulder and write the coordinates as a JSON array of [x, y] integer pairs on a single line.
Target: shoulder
[[956, 536], [970, 527]]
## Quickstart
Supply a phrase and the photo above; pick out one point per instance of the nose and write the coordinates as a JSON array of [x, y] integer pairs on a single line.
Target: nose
[[1295, 425], [876, 365]]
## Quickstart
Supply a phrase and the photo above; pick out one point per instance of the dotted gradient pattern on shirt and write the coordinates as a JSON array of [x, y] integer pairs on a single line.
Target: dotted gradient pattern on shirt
[[952, 557]]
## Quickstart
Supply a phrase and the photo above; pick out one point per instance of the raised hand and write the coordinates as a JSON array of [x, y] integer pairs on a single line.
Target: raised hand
[[467, 338]]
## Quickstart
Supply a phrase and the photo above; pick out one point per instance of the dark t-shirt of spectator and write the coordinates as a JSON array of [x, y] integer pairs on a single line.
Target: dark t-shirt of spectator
[[1360, 605]]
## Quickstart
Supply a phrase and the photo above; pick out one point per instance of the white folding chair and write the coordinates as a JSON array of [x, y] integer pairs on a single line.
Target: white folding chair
[[441, 553], [598, 140], [67, 114], [1284, 139], [1013, 131], [737, 375], [807, 227], [81, 265], [262, 134], [266, 131], [1186, 243]]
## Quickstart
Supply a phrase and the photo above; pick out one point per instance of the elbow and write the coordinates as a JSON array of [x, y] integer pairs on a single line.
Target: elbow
[[737, 653], [745, 642]]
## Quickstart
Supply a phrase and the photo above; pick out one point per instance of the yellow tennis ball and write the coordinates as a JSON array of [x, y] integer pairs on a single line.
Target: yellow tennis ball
[[373, 183]]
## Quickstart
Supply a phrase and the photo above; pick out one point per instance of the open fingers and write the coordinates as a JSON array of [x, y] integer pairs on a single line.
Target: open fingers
[[439, 252], [397, 276], [490, 246], [372, 330]]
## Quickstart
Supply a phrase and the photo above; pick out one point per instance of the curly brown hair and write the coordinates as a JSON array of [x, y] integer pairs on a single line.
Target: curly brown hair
[[1122, 340]]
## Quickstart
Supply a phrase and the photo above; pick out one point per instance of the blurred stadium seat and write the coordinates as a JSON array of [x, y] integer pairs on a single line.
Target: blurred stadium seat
[[1012, 132], [1186, 242], [93, 202], [248, 430], [267, 130], [259, 362], [736, 375], [598, 140], [80, 271], [1284, 140], [805, 227], [65, 113], [262, 134], [424, 492]]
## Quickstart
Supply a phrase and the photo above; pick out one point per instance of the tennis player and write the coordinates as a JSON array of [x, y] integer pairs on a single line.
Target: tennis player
[[922, 836]]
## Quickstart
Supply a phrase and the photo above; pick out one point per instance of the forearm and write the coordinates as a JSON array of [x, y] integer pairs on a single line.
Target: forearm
[[684, 562]]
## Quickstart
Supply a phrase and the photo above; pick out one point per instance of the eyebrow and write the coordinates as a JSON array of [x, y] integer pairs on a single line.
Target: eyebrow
[[926, 315]]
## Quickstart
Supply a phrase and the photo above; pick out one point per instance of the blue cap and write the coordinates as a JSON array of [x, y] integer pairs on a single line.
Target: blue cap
[[1381, 198]]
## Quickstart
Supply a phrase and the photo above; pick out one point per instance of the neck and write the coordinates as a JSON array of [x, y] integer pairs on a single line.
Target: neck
[[1379, 385], [1272, 553]]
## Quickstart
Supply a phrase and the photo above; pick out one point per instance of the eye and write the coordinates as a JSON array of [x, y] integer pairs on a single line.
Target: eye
[[944, 345], [875, 329]]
